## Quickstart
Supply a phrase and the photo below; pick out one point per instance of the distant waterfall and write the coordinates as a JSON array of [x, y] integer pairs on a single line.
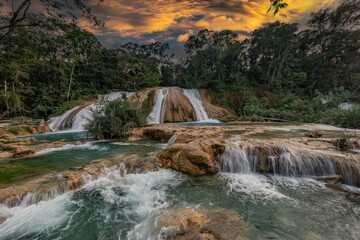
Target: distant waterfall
[[285, 163], [77, 118], [195, 99], [158, 112]]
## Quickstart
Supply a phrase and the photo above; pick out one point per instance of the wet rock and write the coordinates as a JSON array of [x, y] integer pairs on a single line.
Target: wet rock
[[333, 182], [155, 132], [23, 152], [313, 135], [343, 144], [331, 179], [178, 107], [197, 158], [202, 224], [352, 196]]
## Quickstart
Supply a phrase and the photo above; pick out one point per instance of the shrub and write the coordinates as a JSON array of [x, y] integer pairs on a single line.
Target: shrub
[[113, 119]]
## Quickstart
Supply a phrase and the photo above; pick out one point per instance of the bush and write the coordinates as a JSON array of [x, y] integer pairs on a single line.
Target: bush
[[342, 118], [113, 119]]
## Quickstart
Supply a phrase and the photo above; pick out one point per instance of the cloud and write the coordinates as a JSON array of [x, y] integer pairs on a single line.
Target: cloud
[[174, 21]]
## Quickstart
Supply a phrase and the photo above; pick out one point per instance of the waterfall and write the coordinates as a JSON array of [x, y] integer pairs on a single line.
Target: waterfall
[[77, 118], [172, 139], [195, 99], [158, 112], [285, 163]]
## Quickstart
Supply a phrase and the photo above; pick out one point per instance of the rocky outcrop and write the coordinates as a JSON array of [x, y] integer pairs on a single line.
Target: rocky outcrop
[[221, 224], [198, 151], [155, 132], [178, 108], [213, 111], [197, 158], [24, 130]]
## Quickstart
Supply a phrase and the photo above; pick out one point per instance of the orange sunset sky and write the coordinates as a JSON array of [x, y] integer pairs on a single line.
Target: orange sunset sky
[[173, 21]]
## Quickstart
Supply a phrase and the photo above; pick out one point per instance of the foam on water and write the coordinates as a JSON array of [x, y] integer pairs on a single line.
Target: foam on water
[[136, 198], [87, 145], [255, 186], [161, 145], [36, 219]]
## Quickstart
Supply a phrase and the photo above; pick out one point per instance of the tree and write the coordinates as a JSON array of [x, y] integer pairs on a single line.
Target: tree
[[54, 9]]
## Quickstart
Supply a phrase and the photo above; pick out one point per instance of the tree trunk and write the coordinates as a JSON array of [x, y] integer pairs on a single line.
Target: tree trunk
[[6, 101], [71, 77], [15, 19]]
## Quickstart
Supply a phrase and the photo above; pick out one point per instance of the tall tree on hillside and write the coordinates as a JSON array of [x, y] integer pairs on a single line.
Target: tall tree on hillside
[[55, 9]]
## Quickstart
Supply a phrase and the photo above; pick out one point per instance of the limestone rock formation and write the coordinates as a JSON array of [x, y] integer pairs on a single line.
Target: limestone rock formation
[[221, 224], [197, 158], [178, 108]]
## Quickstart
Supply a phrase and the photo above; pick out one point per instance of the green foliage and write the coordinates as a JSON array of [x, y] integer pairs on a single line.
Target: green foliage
[[114, 119], [343, 118]]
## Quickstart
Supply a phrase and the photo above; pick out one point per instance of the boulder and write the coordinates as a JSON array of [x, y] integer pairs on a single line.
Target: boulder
[[197, 158], [202, 224], [23, 152], [313, 135]]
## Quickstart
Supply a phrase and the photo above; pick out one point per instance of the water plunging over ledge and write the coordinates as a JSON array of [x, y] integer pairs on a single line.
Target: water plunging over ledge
[[77, 118], [284, 162]]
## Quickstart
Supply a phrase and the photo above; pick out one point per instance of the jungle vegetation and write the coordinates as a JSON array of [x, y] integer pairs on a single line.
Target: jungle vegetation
[[48, 65]]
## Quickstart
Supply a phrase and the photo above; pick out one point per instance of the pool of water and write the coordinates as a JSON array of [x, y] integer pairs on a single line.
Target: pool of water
[[75, 153], [56, 136]]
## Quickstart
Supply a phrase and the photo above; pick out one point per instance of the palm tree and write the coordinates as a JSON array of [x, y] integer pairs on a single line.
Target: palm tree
[[276, 5]]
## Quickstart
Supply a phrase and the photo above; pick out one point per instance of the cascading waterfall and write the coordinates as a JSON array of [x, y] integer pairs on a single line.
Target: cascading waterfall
[[77, 118], [285, 163], [195, 99], [158, 112]]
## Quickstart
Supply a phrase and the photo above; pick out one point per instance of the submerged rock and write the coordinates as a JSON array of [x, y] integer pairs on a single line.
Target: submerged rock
[[221, 224], [313, 135], [334, 183], [23, 152]]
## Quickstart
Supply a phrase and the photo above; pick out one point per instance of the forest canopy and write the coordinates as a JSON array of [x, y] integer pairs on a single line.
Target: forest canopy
[[48, 64]]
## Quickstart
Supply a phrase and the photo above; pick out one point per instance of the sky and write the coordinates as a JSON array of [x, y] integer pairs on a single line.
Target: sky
[[173, 21]]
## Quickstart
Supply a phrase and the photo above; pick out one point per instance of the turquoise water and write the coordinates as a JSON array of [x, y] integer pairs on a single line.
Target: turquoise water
[[56, 136], [74, 153], [125, 206], [196, 124]]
